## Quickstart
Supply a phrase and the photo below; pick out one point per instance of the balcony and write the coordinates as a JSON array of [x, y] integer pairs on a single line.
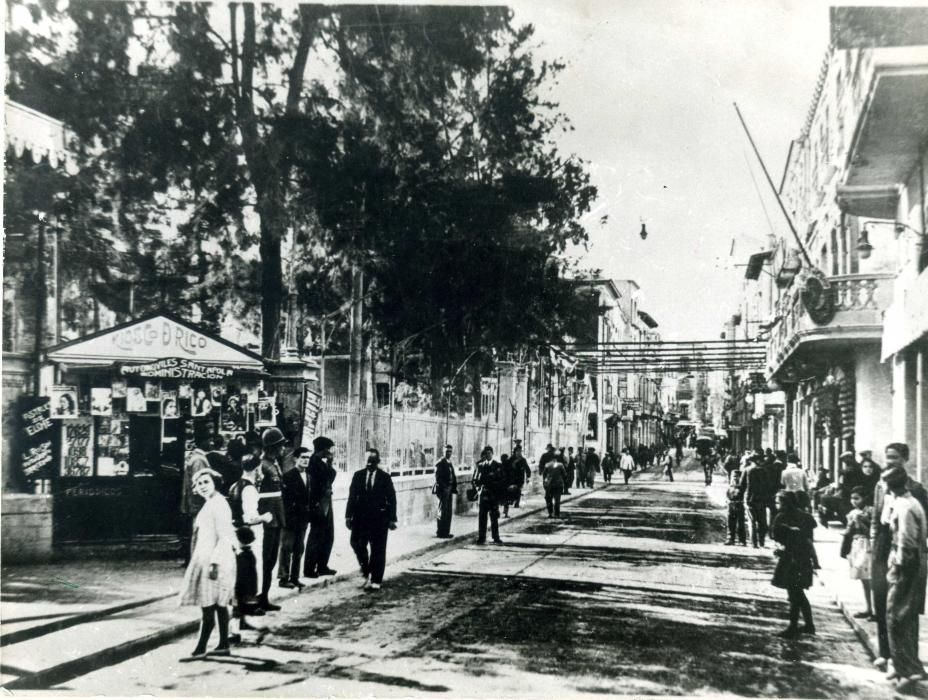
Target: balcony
[[860, 300]]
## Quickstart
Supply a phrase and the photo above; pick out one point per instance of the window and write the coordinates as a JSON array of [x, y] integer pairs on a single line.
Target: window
[[835, 256], [488, 398], [382, 390], [607, 386]]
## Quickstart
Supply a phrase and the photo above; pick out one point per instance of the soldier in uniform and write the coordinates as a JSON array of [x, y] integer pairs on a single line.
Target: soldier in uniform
[[270, 500], [446, 485]]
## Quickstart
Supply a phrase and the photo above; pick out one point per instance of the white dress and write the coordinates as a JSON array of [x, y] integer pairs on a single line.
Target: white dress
[[213, 543]]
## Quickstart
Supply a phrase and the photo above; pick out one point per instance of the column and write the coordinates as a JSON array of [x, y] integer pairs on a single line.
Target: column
[[921, 413]]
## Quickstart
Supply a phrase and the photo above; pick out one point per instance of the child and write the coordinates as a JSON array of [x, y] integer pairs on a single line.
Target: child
[[855, 546]]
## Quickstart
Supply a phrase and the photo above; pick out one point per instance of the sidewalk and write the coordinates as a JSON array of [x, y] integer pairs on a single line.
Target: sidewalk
[[63, 620], [833, 578]]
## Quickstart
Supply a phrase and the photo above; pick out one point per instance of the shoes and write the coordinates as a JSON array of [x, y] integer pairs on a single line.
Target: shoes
[[862, 615], [480, 541], [375, 587], [365, 581], [892, 675], [905, 684], [789, 633], [235, 639], [755, 546], [497, 541], [326, 572], [221, 651], [730, 543], [268, 606], [197, 655], [298, 584], [285, 584], [311, 574], [807, 629], [880, 663]]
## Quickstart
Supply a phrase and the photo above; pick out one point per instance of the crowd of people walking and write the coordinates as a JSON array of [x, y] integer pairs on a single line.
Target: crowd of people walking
[[885, 541]]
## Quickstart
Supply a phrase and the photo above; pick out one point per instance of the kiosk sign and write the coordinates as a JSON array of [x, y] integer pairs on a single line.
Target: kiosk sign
[[176, 368], [35, 437]]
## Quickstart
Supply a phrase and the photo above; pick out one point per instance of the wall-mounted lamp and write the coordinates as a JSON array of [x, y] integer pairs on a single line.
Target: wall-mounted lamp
[[864, 248]]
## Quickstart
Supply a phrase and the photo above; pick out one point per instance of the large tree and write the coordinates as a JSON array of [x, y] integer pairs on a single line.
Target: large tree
[[410, 142]]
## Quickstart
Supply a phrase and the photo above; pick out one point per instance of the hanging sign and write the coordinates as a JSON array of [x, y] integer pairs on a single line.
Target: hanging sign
[[35, 436], [176, 368], [312, 405]]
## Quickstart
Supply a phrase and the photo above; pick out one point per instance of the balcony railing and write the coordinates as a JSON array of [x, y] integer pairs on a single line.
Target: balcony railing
[[860, 300]]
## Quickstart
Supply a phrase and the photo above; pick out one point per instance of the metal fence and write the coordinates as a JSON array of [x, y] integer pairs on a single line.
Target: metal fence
[[409, 442]]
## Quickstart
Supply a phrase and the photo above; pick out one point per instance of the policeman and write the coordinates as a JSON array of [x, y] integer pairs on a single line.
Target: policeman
[[270, 501]]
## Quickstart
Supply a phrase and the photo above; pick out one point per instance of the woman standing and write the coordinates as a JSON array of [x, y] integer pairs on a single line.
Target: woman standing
[[210, 578], [792, 528]]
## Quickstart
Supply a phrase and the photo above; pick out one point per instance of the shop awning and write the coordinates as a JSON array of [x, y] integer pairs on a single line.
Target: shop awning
[[157, 338]]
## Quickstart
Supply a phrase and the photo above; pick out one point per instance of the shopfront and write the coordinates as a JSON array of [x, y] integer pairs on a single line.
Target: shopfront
[[124, 403]]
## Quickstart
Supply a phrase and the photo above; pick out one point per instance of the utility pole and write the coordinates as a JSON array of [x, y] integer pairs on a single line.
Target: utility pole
[[40, 306]]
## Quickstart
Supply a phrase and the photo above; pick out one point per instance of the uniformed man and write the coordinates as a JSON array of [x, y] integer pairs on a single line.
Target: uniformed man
[[270, 501]]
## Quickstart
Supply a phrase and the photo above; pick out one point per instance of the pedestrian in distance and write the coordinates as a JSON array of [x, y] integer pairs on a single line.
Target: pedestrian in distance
[[505, 496], [668, 467], [249, 529], [609, 465], [209, 581], [220, 461], [521, 473], [490, 483], [591, 466], [321, 538], [572, 471], [754, 485], [553, 480], [445, 488], [735, 498], [370, 514], [855, 546], [907, 575], [295, 493], [549, 454], [773, 469], [793, 479], [881, 542], [271, 501], [792, 529], [627, 464]]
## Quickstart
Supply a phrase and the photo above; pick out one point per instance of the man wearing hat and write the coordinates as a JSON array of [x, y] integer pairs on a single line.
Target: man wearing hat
[[270, 500], [886, 564], [755, 485], [545, 458], [321, 521]]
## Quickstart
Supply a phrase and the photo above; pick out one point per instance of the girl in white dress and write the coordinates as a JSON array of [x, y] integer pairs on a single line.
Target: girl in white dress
[[210, 578]]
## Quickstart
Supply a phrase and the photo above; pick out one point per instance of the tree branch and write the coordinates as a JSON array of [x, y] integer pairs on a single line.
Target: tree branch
[[233, 22], [309, 16]]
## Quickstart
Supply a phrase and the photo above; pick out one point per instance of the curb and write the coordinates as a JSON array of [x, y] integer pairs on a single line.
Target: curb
[[859, 630], [69, 670]]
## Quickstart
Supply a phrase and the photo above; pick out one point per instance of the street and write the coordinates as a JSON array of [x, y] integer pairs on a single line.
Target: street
[[630, 592]]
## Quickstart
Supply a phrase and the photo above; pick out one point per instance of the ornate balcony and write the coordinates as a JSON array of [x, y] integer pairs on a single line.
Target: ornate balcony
[[859, 302]]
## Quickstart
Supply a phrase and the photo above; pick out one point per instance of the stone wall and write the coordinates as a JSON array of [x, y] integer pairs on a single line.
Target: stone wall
[[26, 527]]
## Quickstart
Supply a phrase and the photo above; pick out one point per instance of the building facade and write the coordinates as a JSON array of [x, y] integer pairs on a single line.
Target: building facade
[[847, 333]]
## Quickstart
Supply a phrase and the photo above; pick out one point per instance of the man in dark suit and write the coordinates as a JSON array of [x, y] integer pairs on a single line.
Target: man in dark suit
[[321, 475], [295, 491], [755, 485], [446, 485], [489, 478], [370, 514]]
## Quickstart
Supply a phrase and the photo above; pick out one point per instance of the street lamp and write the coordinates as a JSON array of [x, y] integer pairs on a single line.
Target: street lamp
[[864, 248]]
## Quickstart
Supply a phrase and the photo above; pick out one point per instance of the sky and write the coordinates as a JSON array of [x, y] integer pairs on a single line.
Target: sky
[[649, 87]]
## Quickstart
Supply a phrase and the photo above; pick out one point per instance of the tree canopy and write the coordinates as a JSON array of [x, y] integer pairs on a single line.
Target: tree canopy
[[412, 141]]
